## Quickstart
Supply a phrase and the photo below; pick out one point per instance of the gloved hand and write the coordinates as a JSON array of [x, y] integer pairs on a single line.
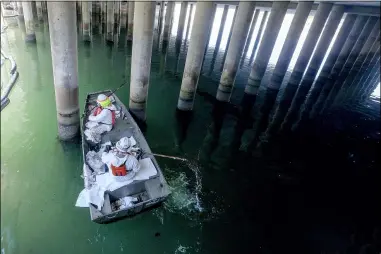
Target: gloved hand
[[108, 148]]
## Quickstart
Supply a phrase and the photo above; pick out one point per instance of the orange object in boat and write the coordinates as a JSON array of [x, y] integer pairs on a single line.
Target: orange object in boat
[[119, 171]]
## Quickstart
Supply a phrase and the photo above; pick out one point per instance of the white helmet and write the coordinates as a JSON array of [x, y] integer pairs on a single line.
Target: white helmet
[[123, 144], [101, 97]]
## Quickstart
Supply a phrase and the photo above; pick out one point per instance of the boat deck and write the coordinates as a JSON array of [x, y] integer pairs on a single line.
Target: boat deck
[[149, 191]]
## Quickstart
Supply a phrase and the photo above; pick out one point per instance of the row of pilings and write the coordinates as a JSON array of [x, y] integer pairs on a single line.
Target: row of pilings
[[338, 62]]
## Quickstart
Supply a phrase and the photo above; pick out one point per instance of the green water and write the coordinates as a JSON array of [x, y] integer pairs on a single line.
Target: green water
[[223, 200], [40, 176]]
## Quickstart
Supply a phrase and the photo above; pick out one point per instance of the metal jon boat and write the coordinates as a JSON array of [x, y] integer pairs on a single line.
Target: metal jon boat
[[150, 192]]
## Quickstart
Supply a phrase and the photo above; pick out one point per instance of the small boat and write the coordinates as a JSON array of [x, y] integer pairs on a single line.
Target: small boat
[[147, 193]]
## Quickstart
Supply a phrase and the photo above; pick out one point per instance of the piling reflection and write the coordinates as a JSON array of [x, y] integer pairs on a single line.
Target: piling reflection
[[163, 57], [211, 139], [34, 60], [183, 120]]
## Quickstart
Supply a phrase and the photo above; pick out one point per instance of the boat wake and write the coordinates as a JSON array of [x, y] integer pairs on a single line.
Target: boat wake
[[186, 190]]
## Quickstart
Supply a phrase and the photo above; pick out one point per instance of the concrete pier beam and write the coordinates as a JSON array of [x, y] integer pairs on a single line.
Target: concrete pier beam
[[168, 20], [330, 61], [144, 19], [39, 11], [234, 50], [258, 38], [86, 21], [63, 42], [250, 35], [314, 65], [110, 22], [180, 27], [278, 11], [334, 72], [130, 26], [316, 28], [272, 88], [351, 60], [199, 39], [30, 35], [366, 49]]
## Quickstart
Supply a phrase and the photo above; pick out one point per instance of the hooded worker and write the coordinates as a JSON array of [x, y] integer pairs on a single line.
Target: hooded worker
[[120, 161], [103, 117]]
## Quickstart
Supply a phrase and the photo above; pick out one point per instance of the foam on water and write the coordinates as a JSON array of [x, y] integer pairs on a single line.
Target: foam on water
[[187, 197]]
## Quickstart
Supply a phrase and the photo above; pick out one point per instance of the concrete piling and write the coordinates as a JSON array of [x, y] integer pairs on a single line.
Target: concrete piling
[[330, 61], [141, 57], [373, 83], [314, 65], [123, 15], [168, 21], [181, 24], [369, 84], [229, 38], [34, 12], [62, 23], [116, 12], [39, 11], [317, 25], [189, 21], [334, 72], [20, 17], [355, 83], [110, 22], [369, 90], [86, 21], [219, 36], [298, 22], [250, 35], [130, 26], [368, 75], [234, 50], [258, 38], [103, 12], [366, 49], [350, 61], [222, 27], [209, 31], [278, 11], [199, 39], [365, 69], [19, 9], [30, 35], [161, 16]]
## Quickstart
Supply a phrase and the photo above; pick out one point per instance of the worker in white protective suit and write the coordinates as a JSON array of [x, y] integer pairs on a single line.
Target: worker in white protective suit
[[121, 162], [101, 120]]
